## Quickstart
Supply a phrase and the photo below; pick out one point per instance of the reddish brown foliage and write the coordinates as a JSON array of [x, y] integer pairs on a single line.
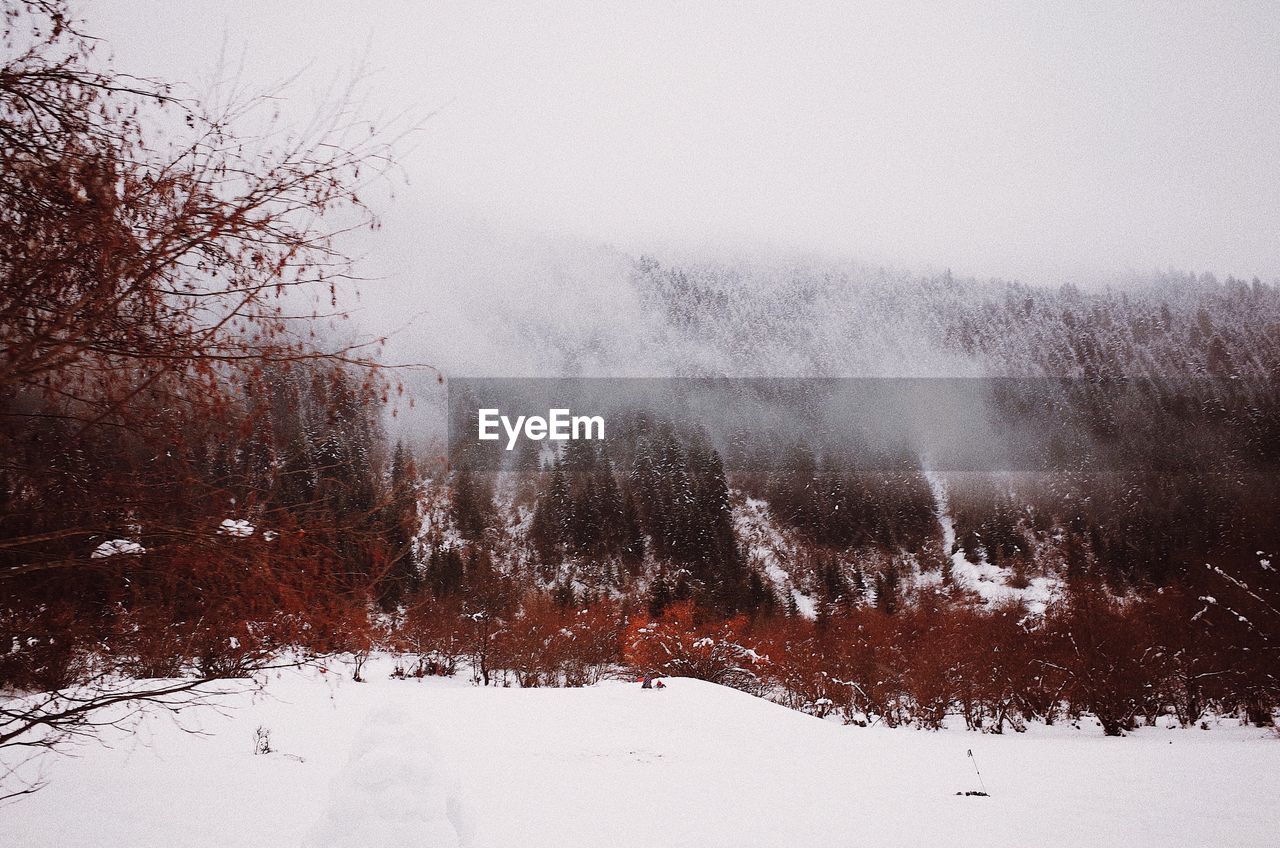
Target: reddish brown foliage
[[677, 644]]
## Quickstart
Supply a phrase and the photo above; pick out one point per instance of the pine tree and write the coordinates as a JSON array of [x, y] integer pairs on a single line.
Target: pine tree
[[887, 589], [612, 511], [473, 508], [444, 571], [552, 517], [632, 545], [401, 522], [659, 595], [588, 521]]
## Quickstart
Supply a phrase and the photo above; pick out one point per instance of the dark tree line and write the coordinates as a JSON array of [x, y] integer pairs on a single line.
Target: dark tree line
[[842, 507]]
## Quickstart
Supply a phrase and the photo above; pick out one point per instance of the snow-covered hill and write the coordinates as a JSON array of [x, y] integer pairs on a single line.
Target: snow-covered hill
[[441, 763]]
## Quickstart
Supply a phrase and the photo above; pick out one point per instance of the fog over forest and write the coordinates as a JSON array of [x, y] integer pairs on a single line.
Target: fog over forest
[[1041, 144], [1093, 146]]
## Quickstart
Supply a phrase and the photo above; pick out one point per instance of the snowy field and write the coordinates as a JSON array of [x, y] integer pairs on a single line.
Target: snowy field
[[442, 763]]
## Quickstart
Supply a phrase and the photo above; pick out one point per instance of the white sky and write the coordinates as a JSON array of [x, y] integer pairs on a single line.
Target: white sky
[[1045, 141]]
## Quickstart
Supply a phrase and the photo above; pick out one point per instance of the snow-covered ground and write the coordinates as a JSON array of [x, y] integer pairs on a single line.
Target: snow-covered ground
[[442, 763], [990, 582]]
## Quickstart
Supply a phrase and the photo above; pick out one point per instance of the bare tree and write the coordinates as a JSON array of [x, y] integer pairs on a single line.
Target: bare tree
[[158, 252]]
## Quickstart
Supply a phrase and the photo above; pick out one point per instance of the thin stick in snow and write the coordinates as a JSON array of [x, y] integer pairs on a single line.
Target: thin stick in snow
[[981, 785]]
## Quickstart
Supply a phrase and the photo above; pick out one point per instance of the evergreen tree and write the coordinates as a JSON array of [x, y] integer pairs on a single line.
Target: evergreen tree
[[552, 517], [444, 572], [632, 542], [659, 595], [401, 521], [887, 589], [612, 510], [473, 508]]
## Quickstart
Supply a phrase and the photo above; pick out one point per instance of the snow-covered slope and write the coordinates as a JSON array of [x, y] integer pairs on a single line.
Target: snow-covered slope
[[989, 582], [767, 546], [439, 763]]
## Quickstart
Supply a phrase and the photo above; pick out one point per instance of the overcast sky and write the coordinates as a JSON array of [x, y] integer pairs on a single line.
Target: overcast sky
[[1043, 141]]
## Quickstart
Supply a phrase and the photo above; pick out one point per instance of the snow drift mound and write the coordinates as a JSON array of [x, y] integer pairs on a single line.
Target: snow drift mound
[[394, 763]]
